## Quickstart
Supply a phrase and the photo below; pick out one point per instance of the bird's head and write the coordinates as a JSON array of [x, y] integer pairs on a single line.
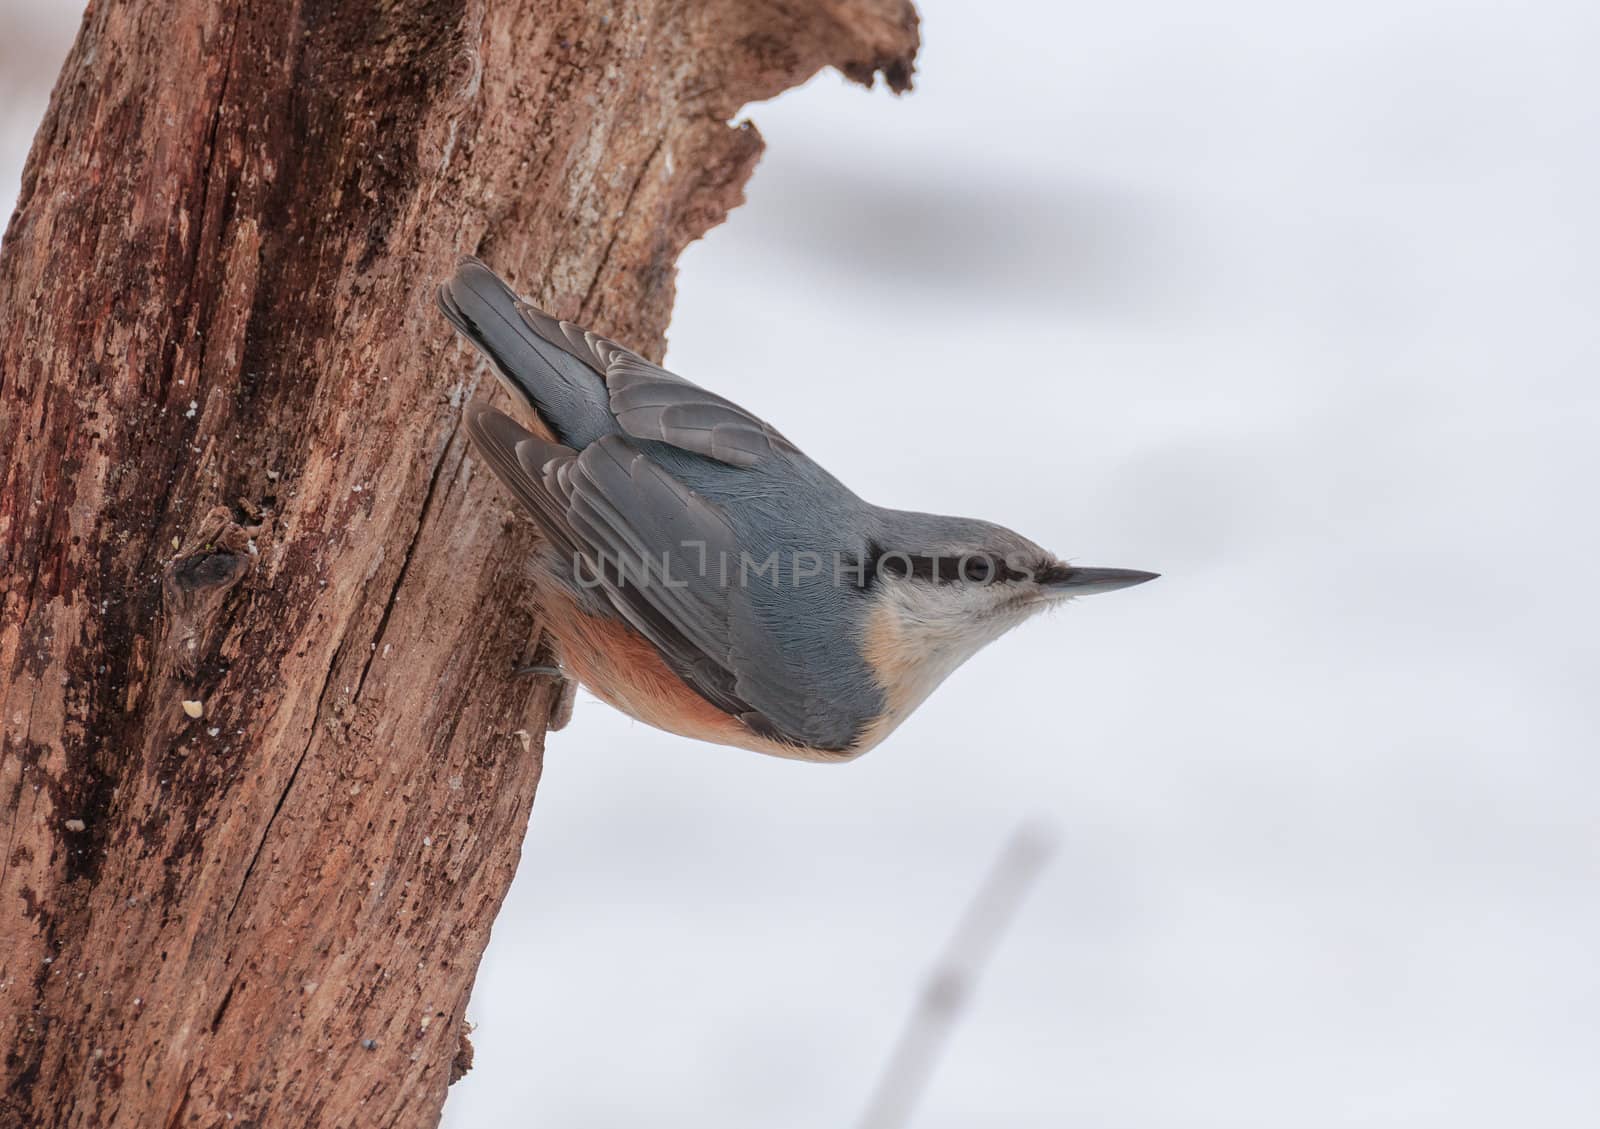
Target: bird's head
[[942, 588]]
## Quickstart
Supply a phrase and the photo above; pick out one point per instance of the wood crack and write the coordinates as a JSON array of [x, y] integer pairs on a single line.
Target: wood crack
[[585, 314], [411, 547], [212, 129], [182, 1105], [322, 694]]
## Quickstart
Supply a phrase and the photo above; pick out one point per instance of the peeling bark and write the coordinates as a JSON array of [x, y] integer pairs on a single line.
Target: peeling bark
[[231, 474]]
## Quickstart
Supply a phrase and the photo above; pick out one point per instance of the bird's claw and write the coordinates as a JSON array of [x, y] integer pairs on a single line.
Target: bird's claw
[[567, 687]]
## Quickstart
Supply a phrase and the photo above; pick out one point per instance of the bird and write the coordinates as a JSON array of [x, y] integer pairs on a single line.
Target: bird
[[699, 572]]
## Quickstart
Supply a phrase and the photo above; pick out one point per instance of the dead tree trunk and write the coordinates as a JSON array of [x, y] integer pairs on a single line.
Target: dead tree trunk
[[265, 769]]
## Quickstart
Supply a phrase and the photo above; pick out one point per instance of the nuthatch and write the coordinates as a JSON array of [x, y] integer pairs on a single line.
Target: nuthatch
[[698, 572]]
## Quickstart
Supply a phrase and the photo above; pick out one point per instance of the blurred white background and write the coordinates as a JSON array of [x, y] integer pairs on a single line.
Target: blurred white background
[[1292, 303]]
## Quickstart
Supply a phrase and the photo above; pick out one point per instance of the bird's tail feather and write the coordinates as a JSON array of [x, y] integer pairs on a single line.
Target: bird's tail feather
[[531, 354]]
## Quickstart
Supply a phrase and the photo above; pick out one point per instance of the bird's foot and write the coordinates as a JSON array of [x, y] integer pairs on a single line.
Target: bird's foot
[[566, 693], [561, 705]]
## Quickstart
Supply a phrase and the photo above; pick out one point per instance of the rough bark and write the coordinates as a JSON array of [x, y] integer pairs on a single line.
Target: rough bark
[[233, 482]]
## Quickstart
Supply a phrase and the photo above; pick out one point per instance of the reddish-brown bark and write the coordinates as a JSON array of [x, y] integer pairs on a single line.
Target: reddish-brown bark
[[232, 475]]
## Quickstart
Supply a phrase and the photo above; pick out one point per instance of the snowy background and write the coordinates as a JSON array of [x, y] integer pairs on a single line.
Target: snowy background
[[1295, 304]]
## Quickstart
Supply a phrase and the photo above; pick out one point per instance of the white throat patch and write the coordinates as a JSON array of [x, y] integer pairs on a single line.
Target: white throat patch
[[917, 634]]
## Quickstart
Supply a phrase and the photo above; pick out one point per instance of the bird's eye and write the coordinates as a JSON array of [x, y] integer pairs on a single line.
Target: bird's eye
[[975, 569]]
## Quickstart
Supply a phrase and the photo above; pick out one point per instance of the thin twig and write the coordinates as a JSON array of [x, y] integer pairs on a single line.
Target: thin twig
[[950, 985]]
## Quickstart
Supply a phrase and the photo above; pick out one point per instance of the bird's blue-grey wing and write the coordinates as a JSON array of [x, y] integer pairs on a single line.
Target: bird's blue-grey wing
[[666, 561]]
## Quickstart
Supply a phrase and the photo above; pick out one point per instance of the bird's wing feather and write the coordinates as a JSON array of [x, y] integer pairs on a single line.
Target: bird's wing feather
[[662, 556], [652, 403], [519, 459]]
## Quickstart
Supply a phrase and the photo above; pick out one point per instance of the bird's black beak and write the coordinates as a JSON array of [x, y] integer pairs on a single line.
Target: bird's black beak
[[1071, 581]]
